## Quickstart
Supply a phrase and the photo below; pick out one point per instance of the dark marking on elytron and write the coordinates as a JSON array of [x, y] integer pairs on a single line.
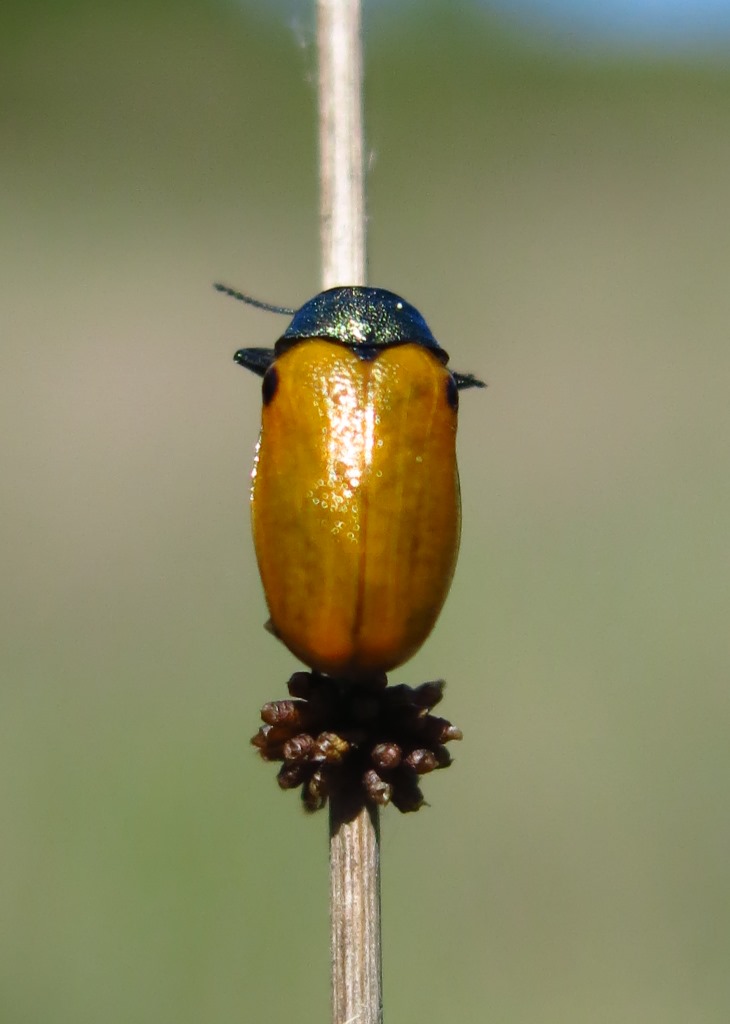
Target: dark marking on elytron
[[452, 392], [270, 384], [366, 352]]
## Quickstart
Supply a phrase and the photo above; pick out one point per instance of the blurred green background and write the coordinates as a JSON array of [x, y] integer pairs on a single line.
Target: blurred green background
[[562, 221]]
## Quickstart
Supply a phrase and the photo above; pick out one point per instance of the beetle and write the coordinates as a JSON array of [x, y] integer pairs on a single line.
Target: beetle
[[355, 489]]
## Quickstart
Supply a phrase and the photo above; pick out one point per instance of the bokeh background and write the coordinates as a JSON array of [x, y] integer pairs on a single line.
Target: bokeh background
[[557, 203]]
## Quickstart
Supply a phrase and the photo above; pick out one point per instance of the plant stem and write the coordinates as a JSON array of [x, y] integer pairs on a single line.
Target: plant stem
[[355, 916], [354, 839], [341, 177]]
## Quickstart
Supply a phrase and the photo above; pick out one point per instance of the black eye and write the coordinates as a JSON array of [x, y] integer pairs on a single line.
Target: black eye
[[270, 384], [452, 393]]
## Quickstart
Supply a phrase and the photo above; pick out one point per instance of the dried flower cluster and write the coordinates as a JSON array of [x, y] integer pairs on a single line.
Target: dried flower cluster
[[363, 741]]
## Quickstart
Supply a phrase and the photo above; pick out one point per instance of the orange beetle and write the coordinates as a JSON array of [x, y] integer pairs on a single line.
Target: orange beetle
[[355, 493]]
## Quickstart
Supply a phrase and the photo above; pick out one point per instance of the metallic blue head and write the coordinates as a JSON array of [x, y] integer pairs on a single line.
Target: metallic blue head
[[359, 316], [365, 319]]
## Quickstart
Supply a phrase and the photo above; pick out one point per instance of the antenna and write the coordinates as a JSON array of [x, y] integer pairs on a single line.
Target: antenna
[[284, 310]]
